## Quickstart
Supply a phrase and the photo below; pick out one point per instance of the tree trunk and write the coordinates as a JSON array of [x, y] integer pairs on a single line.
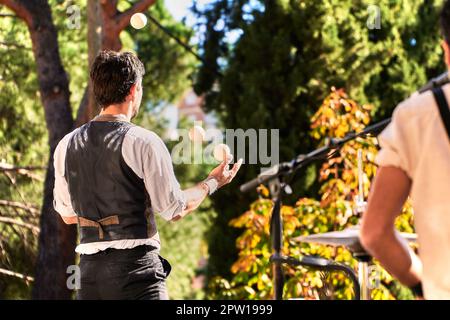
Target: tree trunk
[[94, 46], [56, 240], [110, 35], [88, 107], [105, 23]]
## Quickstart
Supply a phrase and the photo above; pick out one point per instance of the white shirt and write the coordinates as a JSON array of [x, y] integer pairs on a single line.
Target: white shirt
[[417, 143], [145, 153]]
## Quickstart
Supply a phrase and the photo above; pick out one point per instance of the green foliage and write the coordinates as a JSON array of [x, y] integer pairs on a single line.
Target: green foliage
[[73, 47], [290, 53], [20, 110], [22, 142], [168, 65], [334, 212], [23, 136]]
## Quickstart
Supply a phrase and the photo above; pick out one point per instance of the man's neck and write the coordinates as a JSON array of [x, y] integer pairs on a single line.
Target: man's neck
[[114, 110], [111, 117]]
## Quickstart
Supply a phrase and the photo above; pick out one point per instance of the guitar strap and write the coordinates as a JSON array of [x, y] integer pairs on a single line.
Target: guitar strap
[[443, 108]]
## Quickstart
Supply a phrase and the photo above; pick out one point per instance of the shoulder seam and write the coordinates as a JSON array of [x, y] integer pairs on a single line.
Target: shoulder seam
[[143, 139]]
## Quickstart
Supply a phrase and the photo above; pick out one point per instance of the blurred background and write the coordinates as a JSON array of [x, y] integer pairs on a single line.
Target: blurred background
[[312, 69]]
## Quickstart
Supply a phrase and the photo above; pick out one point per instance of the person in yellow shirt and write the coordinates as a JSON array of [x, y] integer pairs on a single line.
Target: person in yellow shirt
[[415, 161]]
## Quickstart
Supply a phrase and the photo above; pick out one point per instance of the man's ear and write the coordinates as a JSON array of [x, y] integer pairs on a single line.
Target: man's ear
[[132, 93], [446, 48]]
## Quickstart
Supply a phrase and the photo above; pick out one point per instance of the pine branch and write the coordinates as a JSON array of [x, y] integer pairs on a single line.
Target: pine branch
[[19, 8], [9, 167], [16, 275], [16, 222], [20, 205], [5, 15], [25, 171], [14, 45]]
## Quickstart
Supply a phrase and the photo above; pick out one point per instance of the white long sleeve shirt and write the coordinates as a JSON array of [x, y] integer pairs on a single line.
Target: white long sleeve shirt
[[145, 153]]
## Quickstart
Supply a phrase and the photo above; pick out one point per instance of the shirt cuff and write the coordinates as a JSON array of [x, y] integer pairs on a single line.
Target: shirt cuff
[[387, 157], [175, 209], [64, 211], [390, 158]]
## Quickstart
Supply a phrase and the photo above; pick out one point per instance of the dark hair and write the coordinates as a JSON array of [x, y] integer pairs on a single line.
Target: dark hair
[[113, 74], [445, 21]]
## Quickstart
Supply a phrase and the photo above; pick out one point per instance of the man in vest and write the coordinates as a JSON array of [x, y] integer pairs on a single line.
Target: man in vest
[[111, 177], [415, 160]]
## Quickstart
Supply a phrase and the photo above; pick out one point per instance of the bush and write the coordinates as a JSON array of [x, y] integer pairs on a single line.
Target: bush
[[334, 211]]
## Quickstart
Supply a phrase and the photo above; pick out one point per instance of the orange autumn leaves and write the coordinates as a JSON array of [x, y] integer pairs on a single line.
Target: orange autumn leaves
[[333, 211]]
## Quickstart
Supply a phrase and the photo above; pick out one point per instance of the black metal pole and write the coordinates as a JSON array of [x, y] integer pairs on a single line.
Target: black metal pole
[[276, 231], [324, 265]]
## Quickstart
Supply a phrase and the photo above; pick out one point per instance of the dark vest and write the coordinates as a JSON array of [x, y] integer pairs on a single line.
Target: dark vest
[[109, 199]]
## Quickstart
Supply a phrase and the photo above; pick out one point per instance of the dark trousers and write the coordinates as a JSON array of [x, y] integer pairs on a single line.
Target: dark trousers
[[136, 274]]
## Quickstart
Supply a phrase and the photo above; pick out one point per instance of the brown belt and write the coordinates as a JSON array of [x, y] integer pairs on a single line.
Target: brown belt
[[111, 220]]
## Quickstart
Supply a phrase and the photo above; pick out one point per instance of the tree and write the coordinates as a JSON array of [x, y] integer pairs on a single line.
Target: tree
[[54, 89], [18, 192], [56, 241], [168, 65], [336, 210], [105, 24], [287, 57], [23, 134]]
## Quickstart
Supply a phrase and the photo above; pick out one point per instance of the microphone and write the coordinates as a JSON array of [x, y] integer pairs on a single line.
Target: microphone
[[372, 130], [436, 82], [266, 176]]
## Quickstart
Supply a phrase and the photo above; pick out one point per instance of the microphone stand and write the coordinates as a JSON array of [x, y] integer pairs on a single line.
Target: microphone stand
[[324, 152], [276, 178]]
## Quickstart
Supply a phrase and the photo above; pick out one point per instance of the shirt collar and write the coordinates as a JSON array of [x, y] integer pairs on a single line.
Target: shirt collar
[[111, 117]]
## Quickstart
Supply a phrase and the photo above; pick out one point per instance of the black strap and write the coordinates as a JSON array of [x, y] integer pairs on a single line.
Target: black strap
[[417, 290], [443, 108]]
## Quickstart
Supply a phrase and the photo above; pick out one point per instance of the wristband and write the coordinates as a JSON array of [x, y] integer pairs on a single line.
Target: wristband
[[212, 185]]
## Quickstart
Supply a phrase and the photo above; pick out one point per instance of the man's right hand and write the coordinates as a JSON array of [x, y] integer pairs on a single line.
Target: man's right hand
[[222, 174], [195, 195]]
